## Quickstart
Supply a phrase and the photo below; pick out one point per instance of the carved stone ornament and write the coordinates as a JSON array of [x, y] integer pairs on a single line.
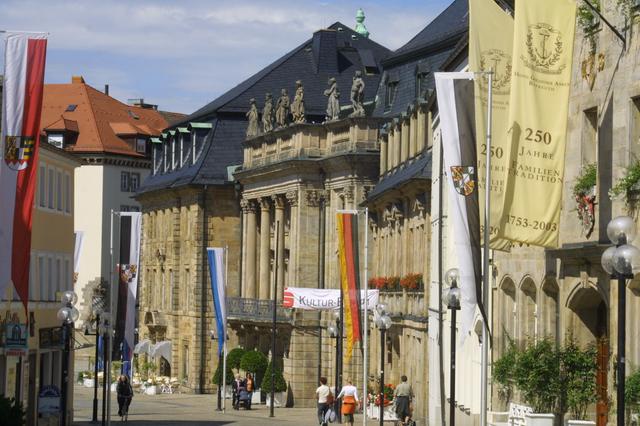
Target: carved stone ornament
[[347, 192], [264, 203], [292, 198], [313, 198], [252, 117], [248, 206], [297, 107], [333, 101], [282, 109], [278, 201], [357, 95], [267, 114], [588, 69]]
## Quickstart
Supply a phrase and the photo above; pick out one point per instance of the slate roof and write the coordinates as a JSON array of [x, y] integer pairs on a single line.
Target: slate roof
[[337, 51], [425, 52], [96, 118], [420, 169]]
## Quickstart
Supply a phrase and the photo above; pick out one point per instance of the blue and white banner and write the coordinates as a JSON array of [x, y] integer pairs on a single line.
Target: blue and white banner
[[218, 284]]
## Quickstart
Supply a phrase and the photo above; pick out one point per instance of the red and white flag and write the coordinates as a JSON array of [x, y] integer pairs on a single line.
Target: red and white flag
[[25, 55]]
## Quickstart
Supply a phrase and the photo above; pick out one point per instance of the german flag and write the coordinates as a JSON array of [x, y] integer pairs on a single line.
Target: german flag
[[349, 277]]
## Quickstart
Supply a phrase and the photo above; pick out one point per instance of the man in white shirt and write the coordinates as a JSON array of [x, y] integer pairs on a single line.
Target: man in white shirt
[[324, 400]]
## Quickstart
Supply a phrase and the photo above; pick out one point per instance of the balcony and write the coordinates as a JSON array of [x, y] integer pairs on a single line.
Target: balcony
[[409, 305], [241, 309]]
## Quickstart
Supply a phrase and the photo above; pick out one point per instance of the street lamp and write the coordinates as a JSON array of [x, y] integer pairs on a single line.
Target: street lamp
[[212, 334], [383, 322], [452, 300], [105, 330], [68, 314], [621, 262], [98, 307], [335, 332]]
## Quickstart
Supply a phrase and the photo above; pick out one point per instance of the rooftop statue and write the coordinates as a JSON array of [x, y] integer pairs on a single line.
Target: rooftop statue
[[360, 27], [357, 95], [252, 117], [282, 109], [297, 107], [333, 101], [267, 114]]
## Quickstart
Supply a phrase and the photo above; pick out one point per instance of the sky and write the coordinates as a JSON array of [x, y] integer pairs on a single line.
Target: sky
[[182, 54]]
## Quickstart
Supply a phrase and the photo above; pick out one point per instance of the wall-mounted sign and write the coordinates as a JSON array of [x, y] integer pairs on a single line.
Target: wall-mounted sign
[[51, 338], [16, 339], [49, 400]]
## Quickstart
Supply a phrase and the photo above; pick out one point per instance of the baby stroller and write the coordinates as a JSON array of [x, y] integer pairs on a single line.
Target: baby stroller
[[244, 399]]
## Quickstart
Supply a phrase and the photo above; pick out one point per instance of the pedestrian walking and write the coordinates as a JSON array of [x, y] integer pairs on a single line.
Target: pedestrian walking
[[350, 401], [403, 395], [325, 399], [250, 385], [125, 394], [235, 391]]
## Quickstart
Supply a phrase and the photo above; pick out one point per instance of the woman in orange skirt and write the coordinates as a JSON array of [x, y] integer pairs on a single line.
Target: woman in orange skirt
[[350, 401]]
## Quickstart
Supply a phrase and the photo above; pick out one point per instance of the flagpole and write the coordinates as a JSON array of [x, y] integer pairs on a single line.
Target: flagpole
[[485, 268], [365, 337], [224, 345]]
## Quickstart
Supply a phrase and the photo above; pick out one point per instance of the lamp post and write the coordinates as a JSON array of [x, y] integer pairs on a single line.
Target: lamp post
[[621, 262], [68, 314], [335, 332], [383, 322], [105, 331], [452, 300], [98, 307]]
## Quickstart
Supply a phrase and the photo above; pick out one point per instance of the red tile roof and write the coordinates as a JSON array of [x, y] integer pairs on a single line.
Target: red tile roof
[[99, 119]]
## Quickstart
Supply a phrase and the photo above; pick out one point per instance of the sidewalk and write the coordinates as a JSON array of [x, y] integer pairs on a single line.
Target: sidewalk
[[189, 409]]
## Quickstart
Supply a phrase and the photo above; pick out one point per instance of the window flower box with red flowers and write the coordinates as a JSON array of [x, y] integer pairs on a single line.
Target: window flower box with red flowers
[[412, 282]]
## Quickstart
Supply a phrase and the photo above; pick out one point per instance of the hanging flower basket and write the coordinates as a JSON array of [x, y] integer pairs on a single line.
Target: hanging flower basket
[[584, 191]]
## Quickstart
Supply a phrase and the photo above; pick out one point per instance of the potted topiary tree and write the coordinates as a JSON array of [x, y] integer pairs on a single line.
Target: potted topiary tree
[[255, 362], [234, 357], [280, 391], [217, 378]]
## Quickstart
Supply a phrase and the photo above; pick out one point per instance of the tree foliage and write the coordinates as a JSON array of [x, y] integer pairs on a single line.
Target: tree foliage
[[217, 375], [255, 362], [578, 384], [234, 357], [504, 372], [281, 384]]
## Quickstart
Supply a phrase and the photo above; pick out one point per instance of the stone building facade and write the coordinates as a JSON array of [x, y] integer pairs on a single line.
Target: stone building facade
[[297, 178], [553, 293]]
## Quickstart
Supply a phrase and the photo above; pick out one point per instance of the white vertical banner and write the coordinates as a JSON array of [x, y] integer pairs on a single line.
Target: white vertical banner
[[129, 274]]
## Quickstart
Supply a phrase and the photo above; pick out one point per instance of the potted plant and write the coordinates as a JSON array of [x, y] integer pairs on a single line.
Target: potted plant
[[393, 283], [632, 395], [378, 282], [628, 185], [11, 412], [411, 282], [280, 388], [255, 362], [578, 381], [87, 378], [504, 372], [234, 357], [585, 196], [217, 378]]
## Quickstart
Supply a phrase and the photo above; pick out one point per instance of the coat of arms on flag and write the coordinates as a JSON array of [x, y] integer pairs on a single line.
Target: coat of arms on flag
[[128, 273], [18, 151], [464, 179]]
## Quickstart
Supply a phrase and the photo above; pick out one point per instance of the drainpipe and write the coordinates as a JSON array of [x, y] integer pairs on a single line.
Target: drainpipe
[[203, 298]]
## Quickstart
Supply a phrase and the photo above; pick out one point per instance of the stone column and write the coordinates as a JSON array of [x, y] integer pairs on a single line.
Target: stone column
[[383, 155], [294, 237], [249, 210], [404, 149], [413, 134], [278, 202], [396, 144], [265, 257]]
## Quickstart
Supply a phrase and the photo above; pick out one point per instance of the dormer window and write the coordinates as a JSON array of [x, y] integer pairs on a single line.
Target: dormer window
[[391, 90], [56, 139], [71, 107], [422, 72], [141, 145]]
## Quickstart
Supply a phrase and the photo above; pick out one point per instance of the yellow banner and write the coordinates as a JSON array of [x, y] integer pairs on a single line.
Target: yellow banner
[[542, 57], [490, 48]]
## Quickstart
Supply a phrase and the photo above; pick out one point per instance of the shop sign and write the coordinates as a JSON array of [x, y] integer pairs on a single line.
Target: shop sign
[[49, 400], [16, 339]]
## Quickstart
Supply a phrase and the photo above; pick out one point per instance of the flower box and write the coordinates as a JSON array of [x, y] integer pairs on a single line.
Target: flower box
[[539, 419], [88, 383], [279, 399]]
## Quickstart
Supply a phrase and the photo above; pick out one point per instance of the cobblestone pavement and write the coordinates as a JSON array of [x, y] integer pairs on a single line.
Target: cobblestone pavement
[[188, 409]]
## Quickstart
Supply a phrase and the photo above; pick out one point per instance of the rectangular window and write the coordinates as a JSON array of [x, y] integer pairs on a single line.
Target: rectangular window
[[59, 200], [134, 183], [124, 181], [141, 145], [42, 187], [67, 193], [165, 148], [50, 186], [390, 95], [181, 149], [56, 140], [590, 137], [173, 153], [634, 143], [42, 274], [50, 281], [421, 85], [124, 208], [193, 145], [58, 277], [68, 284]]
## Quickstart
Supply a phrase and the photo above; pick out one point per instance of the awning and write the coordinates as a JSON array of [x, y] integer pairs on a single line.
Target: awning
[[162, 349], [142, 347]]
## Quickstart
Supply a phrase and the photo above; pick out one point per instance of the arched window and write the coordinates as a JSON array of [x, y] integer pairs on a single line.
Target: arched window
[[506, 313], [528, 312], [550, 304]]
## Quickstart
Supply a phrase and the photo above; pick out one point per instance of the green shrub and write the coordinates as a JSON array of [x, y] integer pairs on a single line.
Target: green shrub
[[256, 363], [632, 391], [281, 384], [504, 372], [578, 379], [11, 412], [234, 357], [537, 376], [217, 375]]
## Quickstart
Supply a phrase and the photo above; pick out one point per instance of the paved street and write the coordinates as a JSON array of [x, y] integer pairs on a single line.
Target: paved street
[[188, 409]]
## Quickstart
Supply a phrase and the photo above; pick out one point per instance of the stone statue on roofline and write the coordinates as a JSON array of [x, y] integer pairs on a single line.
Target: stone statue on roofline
[[282, 109], [333, 101], [252, 117], [267, 114], [297, 107], [360, 27], [357, 95]]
